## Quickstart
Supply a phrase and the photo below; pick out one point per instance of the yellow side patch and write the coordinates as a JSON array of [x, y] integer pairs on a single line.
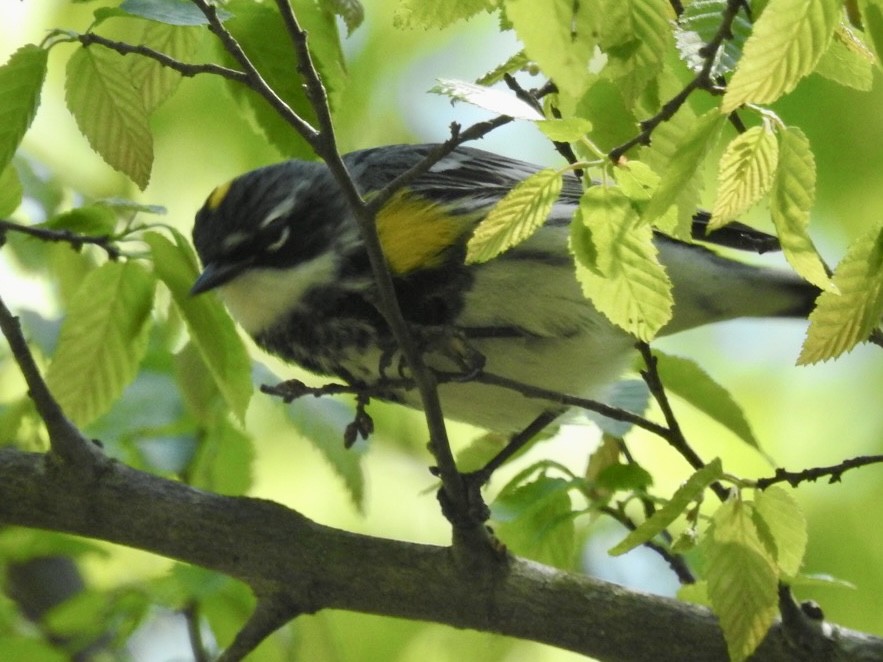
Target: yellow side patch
[[415, 232], [217, 196]]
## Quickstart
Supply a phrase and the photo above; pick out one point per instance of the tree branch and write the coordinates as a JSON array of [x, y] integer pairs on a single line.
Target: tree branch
[[279, 552], [77, 241]]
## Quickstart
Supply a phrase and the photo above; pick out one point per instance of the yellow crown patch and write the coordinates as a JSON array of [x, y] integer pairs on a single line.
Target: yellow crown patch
[[217, 196]]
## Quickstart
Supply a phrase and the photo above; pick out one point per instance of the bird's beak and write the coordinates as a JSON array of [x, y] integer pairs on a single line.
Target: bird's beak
[[214, 275]]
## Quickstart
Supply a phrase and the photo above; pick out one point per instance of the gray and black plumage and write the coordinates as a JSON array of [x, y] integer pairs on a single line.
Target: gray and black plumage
[[282, 248]]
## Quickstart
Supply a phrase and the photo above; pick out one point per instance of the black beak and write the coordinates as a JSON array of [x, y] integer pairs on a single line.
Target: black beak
[[216, 274]]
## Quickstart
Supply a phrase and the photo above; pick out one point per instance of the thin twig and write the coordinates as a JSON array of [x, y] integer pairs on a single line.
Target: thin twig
[[834, 472], [183, 68], [64, 438], [674, 435], [702, 80], [77, 241]]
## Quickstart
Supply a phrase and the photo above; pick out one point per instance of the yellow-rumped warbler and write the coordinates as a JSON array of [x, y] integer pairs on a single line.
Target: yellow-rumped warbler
[[281, 246]]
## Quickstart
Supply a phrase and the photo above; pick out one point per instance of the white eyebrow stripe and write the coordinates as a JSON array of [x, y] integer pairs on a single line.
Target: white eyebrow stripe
[[279, 210]]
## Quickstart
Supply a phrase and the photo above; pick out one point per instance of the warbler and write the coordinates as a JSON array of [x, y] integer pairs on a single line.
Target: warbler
[[282, 248]]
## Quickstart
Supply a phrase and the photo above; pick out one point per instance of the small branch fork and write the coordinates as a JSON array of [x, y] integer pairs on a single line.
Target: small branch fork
[[77, 241]]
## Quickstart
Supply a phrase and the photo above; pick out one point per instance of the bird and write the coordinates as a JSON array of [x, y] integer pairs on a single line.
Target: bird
[[282, 248]]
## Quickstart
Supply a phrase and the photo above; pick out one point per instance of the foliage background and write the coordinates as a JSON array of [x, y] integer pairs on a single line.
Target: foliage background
[[803, 416]]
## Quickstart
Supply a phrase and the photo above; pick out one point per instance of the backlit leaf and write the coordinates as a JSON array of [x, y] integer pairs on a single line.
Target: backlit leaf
[[21, 80]]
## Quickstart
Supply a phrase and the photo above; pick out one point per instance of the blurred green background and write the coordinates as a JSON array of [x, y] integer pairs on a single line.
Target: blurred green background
[[804, 417]]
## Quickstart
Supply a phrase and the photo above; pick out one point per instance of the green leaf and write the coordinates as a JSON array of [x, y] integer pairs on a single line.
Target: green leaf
[[110, 112], [688, 492], [260, 31], [21, 80], [742, 579], [517, 216], [223, 462], [791, 199], [94, 220], [745, 174], [848, 61], [872, 15], [626, 282], [411, 14], [787, 42], [490, 98], [690, 382], [637, 180], [695, 593], [635, 35], [170, 12], [684, 164], [559, 37], [210, 327], [566, 130], [624, 477], [787, 526], [102, 341], [155, 82], [535, 520], [844, 318], [513, 65], [11, 191]]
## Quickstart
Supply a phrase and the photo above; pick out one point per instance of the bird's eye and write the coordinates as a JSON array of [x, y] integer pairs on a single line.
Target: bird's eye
[[282, 231]]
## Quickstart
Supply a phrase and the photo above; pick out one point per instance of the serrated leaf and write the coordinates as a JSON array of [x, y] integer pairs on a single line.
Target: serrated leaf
[[848, 61], [412, 14], [840, 321], [635, 35], [170, 12], [690, 382], [110, 112], [10, 190], [787, 42], [872, 19], [742, 579], [210, 327], [791, 199], [688, 156], [698, 24], [786, 524], [102, 341], [21, 80], [637, 180], [745, 174], [516, 216], [560, 39], [497, 101], [514, 64], [535, 520], [682, 498], [155, 82], [564, 130], [626, 282]]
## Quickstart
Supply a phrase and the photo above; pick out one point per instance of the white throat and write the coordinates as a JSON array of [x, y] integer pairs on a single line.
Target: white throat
[[258, 298]]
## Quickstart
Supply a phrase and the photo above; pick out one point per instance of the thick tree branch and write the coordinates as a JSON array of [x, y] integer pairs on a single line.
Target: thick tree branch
[[279, 552]]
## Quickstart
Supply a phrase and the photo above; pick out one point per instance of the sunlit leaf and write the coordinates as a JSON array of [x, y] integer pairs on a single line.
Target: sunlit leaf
[[110, 111], [848, 61], [103, 339], [21, 79], [742, 579], [786, 524], [156, 82], [689, 491], [518, 215], [844, 318], [787, 42], [745, 174], [490, 98], [791, 199], [626, 282]]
